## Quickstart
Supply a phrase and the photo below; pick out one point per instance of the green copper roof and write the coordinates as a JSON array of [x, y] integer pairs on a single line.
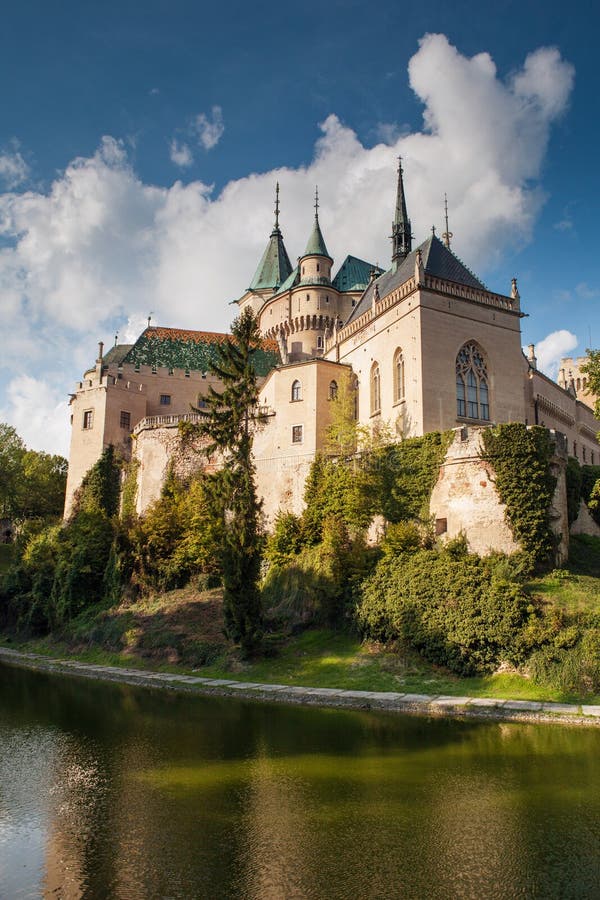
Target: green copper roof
[[316, 242], [289, 282], [192, 351], [274, 267], [354, 274], [116, 355]]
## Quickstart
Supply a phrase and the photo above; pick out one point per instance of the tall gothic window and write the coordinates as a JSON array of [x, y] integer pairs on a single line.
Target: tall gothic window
[[398, 376], [472, 393], [375, 389], [296, 391], [354, 389]]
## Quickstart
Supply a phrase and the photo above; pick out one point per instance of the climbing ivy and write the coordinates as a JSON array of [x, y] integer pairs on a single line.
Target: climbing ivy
[[395, 481], [407, 473], [129, 490], [574, 479], [520, 457]]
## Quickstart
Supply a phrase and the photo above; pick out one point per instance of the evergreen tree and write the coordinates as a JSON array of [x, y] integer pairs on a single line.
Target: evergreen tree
[[229, 425]]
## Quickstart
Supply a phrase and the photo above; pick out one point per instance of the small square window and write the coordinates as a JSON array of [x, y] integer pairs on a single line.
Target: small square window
[[297, 434], [88, 419], [165, 399], [125, 420]]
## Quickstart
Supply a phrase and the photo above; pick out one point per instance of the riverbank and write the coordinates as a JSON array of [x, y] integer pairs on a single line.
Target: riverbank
[[391, 701]]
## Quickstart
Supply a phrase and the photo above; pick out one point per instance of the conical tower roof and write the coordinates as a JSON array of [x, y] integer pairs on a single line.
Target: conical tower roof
[[316, 242], [274, 267]]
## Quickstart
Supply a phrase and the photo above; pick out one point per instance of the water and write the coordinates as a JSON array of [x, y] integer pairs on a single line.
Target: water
[[111, 791]]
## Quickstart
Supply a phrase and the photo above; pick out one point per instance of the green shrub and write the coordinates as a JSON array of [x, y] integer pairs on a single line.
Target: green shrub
[[448, 605], [318, 584], [573, 669], [286, 539], [402, 537]]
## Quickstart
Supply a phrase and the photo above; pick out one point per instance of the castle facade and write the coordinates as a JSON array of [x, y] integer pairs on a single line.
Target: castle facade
[[424, 346]]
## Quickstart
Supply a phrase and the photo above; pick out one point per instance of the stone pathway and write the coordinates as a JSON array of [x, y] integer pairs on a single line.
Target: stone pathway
[[423, 704]]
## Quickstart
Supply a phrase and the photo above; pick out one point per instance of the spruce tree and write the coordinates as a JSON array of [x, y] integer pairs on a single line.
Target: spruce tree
[[229, 425]]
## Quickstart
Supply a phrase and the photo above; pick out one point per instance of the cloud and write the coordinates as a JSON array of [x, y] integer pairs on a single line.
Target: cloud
[[38, 413], [586, 292], [180, 154], [100, 248], [209, 129], [552, 348], [564, 225], [13, 168]]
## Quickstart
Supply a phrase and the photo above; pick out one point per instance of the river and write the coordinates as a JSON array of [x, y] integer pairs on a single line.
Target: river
[[113, 791]]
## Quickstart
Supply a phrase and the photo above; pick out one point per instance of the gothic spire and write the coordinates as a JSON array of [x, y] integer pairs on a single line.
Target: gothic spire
[[316, 242], [275, 266], [447, 235], [401, 230]]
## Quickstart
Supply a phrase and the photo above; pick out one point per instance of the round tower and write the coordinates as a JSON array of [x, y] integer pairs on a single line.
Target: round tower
[[314, 300]]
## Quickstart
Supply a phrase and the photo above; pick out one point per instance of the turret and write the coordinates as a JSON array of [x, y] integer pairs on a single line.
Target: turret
[[275, 266], [315, 263], [401, 228]]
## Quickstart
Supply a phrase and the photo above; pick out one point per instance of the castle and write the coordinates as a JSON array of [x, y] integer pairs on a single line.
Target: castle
[[424, 346]]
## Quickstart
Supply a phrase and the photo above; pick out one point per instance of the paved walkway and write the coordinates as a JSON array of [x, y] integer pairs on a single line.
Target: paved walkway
[[422, 704]]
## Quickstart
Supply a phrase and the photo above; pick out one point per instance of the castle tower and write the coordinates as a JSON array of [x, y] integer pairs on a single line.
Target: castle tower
[[315, 263], [313, 303], [401, 228], [274, 266]]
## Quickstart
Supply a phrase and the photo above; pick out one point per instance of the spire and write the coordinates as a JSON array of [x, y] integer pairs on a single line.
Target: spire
[[316, 242], [447, 234], [274, 266], [276, 225], [401, 230]]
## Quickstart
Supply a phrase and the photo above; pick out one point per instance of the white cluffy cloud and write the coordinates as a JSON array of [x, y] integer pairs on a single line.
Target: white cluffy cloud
[[101, 248], [551, 350], [209, 128], [180, 154], [204, 130], [13, 168]]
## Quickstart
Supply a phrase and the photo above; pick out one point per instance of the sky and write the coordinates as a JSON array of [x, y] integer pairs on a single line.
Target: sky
[[140, 145]]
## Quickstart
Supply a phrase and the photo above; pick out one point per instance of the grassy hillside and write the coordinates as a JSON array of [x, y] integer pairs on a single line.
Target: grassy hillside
[[182, 630]]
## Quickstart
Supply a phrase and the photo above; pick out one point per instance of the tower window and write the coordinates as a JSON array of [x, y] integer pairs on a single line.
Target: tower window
[[296, 390], [165, 399], [333, 390], [319, 342], [125, 420], [297, 434], [88, 419], [472, 393], [398, 376], [375, 389]]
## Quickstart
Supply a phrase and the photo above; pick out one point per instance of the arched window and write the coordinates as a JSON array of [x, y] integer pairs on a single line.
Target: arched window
[[472, 393], [398, 376], [375, 389], [354, 389], [333, 390], [296, 391]]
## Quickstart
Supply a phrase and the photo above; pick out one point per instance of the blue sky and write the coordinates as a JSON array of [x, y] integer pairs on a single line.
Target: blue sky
[[140, 144]]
